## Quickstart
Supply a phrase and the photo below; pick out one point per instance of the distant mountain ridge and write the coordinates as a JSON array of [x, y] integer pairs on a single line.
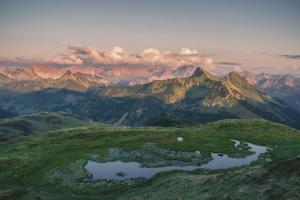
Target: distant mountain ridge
[[283, 87], [39, 77], [272, 82]]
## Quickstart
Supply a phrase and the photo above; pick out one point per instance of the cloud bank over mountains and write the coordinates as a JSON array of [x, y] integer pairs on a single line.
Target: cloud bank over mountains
[[88, 56], [118, 56]]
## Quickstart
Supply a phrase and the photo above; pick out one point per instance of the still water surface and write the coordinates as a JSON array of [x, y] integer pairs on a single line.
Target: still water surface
[[118, 170]]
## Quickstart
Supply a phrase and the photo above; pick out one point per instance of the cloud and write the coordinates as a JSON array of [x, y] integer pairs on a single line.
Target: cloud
[[289, 56], [65, 59], [229, 63], [118, 56], [117, 53], [88, 56], [186, 51], [209, 62]]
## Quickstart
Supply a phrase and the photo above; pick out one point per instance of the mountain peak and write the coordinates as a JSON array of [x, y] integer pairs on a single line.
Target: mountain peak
[[47, 72], [235, 75], [243, 89], [203, 73], [68, 75], [236, 79], [198, 72]]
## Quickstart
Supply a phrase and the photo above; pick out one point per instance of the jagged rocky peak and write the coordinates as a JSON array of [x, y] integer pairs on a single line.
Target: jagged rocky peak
[[203, 73], [238, 82], [198, 72], [68, 73], [236, 77]]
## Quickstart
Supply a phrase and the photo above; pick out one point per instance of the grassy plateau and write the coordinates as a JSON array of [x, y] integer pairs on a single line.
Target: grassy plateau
[[51, 165]]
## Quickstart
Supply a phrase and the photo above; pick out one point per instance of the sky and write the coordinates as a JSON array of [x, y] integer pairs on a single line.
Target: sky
[[255, 35]]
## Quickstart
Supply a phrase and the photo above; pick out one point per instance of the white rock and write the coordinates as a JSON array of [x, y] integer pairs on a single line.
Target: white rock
[[179, 139]]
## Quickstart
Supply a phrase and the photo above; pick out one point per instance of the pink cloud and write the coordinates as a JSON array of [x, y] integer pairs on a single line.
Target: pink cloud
[[117, 55]]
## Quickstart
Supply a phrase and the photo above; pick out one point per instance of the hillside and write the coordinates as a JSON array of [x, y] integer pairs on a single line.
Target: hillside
[[167, 120], [37, 124]]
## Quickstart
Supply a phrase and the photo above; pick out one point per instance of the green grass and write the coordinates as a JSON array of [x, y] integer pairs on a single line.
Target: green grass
[[25, 162], [255, 182], [37, 124], [168, 120]]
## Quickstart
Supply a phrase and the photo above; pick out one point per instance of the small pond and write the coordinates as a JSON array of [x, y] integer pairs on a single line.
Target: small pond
[[118, 170]]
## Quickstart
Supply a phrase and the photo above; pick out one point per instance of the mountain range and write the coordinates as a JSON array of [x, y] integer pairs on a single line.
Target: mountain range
[[283, 87], [200, 97], [39, 77]]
